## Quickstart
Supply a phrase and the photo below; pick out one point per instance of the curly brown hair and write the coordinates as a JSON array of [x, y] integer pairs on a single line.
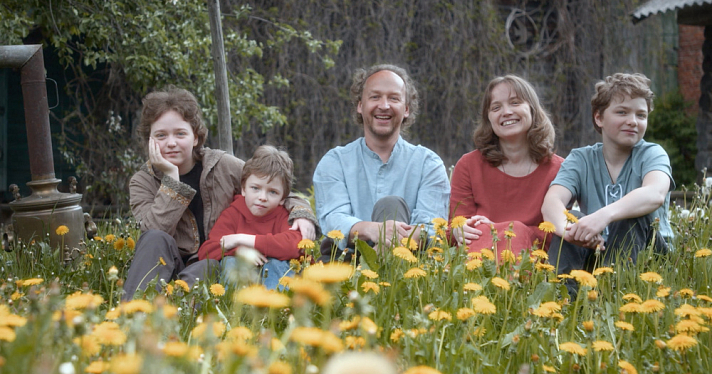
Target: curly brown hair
[[411, 93], [541, 134], [268, 161], [617, 86], [179, 100]]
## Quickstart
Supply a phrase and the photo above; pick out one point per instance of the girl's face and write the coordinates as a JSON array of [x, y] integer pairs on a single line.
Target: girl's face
[[509, 115], [176, 140]]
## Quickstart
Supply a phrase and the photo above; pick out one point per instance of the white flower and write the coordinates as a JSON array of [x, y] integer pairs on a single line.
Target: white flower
[[66, 368], [708, 182], [684, 214]]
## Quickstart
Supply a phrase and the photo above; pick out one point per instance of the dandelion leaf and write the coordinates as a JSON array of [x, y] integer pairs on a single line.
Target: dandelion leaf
[[543, 292], [368, 255]]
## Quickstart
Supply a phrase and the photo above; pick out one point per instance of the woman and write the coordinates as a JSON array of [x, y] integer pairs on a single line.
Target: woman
[[179, 193], [503, 182]]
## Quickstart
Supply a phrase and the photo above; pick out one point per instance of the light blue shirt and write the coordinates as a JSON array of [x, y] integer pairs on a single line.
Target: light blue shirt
[[349, 180], [585, 174]]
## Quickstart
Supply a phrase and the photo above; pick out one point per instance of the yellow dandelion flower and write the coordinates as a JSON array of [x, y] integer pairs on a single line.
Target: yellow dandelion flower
[[126, 364], [354, 342], [109, 333], [570, 217], [239, 333], [384, 284], [305, 244], [370, 274], [663, 291], [602, 345], [690, 327], [16, 295], [439, 315], [465, 313], [331, 343], [487, 253], [479, 332], [625, 326], [182, 284], [584, 278], [540, 254], [350, 325], [307, 335], [544, 267], [473, 264], [704, 298], [217, 289], [415, 273], [547, 309], [565, 276], [508, 256], [631, 308], [627, 367], [602, 270], [119, 244], [686, 310], [370, 286], [276, 345], [110, 238], [548, 369], [501, 283], [334, 272], [7, 334], [169, 289], [660, 344], [632, 297], [81, 301], [396, 335], [458, 222], [405, 254], [97, 367], [439, 223], [162, 261], [592, 295], [218, 329], [587, 325], [472, 287], [422, 369], [482, 305], [62, 230], [279, 367], [169, 311], [135, 306], [130, 243], [98, 238], [335, 235], [31, 282], [686, 292], [509, 234], [652, 277], [313, 290], [704, 252], [175, 349], [409, 243], [573, 348], [650, 306], [236, 347], [547, 227], [112, 314], [681, 342], [259, 296]]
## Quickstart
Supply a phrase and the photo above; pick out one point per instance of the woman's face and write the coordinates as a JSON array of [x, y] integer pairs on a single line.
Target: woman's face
[[509, 115], [176, 140]]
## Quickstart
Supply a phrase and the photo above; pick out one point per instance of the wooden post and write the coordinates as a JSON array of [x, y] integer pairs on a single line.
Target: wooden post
[[222, 95]]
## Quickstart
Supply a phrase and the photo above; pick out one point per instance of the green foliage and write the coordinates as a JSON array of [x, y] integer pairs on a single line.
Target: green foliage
[[674, 129]]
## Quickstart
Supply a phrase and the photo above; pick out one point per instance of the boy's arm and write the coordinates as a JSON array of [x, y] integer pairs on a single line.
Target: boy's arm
[[639, 202], [225, 225]]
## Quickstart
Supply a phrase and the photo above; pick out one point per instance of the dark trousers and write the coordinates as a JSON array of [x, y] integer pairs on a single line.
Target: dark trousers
[[156, 244], [388, 208], [626, 239]]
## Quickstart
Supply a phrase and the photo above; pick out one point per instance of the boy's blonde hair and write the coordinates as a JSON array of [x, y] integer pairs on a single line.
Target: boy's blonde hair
[[271, 162], [617, 86]]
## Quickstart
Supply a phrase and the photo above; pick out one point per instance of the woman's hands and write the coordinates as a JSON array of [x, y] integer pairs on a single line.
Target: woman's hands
[[157, 160], [469, 232]]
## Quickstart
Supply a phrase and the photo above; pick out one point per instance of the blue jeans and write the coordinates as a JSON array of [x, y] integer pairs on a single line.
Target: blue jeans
[[270, 273]]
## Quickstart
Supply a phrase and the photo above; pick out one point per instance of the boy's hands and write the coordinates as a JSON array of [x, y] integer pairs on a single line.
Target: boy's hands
[[306, 227], [587, 232], [240, 242], [157, 160]]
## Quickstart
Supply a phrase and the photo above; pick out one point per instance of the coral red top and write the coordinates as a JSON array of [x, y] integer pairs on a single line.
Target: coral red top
[[478, 188]]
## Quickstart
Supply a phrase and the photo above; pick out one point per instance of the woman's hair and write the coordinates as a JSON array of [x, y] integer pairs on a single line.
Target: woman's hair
[[617, 86], [157, 103], [411, 93], [541, 134], [271, 162]]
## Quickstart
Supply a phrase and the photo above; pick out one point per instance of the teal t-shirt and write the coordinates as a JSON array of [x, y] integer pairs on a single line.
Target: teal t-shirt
[[585, 174]]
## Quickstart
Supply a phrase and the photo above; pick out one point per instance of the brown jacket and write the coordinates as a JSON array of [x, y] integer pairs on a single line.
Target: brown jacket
[[160, 202]]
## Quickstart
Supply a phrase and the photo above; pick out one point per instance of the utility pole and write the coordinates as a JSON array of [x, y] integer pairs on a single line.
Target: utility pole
[[222, 95]]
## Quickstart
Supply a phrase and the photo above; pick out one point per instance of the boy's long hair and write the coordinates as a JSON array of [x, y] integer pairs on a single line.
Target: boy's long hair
[[411, 93], [271, 162], [157, 103], [541, 134], [616, 87]]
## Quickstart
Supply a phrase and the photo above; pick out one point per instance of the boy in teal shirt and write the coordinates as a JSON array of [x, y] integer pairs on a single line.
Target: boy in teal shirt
[[622, 185]]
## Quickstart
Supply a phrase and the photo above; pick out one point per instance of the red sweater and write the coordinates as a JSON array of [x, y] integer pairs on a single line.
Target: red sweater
[[478, 188], [272, 235]]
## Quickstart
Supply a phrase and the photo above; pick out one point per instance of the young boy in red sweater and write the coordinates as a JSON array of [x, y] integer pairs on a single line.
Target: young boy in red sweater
[[257, 219]]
